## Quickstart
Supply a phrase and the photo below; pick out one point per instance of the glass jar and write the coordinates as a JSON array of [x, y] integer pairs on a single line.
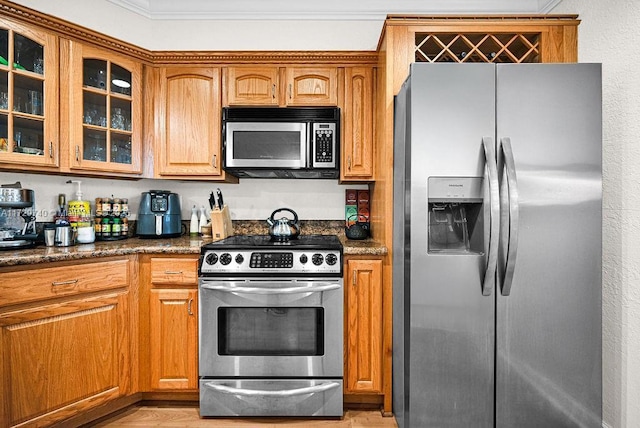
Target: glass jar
[[106, 227], [116, 207], [116, 227], [125, 227]]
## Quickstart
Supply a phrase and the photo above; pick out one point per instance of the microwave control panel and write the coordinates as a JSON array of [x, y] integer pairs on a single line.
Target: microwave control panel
[[324, 145]]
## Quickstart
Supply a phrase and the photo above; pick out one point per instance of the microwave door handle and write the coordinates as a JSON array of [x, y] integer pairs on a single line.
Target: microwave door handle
[[267, 393], [316, 288], [306, 157]]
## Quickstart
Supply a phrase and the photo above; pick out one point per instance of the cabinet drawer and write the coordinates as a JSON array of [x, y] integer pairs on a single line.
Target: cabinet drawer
[[174, 271], [43, 283]]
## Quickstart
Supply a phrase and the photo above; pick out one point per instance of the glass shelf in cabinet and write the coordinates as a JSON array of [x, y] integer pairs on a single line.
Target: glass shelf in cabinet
[[94, 145], [4, 90], [94, 109], [28, 95], [120, 80], [94, 74], [28, 136], [120, 149], [4, 133], [28, 55], [4, 47]]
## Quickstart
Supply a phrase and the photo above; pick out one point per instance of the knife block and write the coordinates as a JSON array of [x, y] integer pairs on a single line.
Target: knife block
[[221, 226]]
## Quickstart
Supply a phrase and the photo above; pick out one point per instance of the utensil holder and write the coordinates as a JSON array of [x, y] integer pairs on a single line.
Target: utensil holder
[[221, 226]]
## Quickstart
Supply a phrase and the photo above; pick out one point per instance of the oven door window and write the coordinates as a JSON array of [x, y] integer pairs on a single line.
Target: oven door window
[[271, 331]]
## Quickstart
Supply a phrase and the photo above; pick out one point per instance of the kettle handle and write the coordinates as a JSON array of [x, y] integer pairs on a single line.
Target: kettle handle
[[295, 216]]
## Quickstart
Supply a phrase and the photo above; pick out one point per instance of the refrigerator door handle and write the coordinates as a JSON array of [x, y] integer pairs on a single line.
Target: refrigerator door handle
[[494, 211], [514, 209]]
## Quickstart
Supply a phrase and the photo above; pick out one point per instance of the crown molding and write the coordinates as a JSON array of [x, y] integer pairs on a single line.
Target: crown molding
[[336, 10]]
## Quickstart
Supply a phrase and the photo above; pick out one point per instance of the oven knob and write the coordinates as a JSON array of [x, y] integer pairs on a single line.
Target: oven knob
[[331, 259], [304, 259], [211, 258], [317, 259], [239, 259], [225, 258]]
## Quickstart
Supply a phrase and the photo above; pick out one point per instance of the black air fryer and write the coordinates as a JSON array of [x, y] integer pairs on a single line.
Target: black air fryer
[[159, 215]]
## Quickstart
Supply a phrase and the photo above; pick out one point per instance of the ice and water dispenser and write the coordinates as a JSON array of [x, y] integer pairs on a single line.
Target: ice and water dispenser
[[456, 215]]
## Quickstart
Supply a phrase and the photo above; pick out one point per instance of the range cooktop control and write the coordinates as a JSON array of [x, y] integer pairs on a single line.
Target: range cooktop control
[[271, 261]]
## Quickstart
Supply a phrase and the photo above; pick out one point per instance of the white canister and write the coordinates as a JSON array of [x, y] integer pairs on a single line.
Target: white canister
[[86, 235]]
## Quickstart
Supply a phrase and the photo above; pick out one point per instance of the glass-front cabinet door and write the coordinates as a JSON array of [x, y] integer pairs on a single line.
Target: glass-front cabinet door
[[28, 97], [105, 111]]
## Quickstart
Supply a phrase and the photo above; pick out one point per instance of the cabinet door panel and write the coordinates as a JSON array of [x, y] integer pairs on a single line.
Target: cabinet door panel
[[29, 120], [103, 118], [189, 115], [63, 355], [364, 326], [357, 141], [252, 86], [174, 345], [312, 86]]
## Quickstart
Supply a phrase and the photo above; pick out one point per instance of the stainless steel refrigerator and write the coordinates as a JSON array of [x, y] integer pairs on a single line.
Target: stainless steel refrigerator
[[497, 246]]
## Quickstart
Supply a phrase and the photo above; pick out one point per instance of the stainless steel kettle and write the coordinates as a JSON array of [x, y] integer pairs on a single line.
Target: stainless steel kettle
[[283, 229]]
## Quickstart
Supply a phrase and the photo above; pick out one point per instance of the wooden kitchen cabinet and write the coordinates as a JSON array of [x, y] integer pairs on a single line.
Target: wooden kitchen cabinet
[[257, 85], [357, 124], [281, 86], [65, 340], [101, 104], [29, 123], [363, 326], [313, 86], [174, 338], [187, 123], [172, 359]]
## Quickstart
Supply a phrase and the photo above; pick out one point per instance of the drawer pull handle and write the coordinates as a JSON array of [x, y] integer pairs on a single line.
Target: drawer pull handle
[[189, 307], [57, 283], [171, 272]]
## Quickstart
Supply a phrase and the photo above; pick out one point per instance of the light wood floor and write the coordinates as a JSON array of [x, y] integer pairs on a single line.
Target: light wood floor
[[188, 417]]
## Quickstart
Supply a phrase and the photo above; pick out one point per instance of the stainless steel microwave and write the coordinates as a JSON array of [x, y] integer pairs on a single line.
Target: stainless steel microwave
[[286, 142]]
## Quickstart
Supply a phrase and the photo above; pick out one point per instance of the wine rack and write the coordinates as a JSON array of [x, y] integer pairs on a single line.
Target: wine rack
[[480, 47]]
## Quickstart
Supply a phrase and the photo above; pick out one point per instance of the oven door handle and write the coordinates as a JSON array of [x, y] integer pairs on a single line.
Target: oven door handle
[[316, 288], [265, 393]]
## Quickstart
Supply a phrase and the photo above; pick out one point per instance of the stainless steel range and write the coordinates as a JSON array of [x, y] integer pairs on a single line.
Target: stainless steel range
[[271, 327]]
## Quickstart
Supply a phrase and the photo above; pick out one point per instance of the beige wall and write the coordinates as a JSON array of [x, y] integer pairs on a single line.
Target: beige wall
[[609, 33]]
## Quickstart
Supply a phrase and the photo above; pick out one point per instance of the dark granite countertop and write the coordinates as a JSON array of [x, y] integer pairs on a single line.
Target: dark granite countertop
[[182, 245]]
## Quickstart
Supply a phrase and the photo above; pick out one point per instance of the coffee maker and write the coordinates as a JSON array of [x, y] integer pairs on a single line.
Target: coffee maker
[[159, 215], [17, 217]]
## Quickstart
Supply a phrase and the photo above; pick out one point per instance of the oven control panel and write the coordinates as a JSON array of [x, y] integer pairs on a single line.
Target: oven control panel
[[271, 261]]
